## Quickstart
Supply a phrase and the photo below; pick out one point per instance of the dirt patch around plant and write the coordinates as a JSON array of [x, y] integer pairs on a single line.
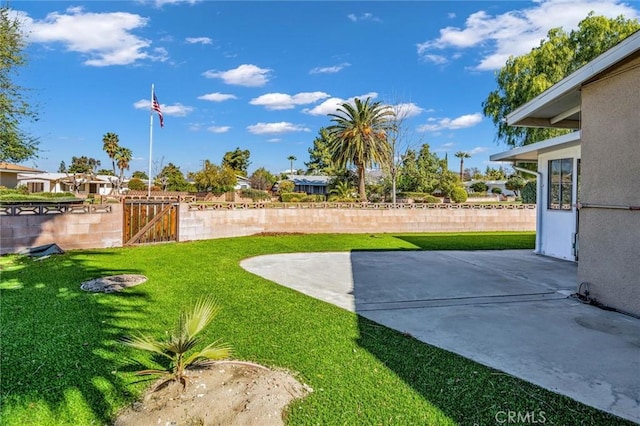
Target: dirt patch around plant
[[113, 283], [226, 393]]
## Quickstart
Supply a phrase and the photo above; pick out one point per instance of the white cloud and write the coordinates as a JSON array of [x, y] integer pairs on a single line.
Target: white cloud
[[330, 106], [330, 70], [217, 97], [103, 38], [160, 3], [276, 128], [175, 110], [218, 129], [468, 120], [199, 40], [363, 17], [280, 101], [516, 32], [245, 75], [407, 110], [478, 150]]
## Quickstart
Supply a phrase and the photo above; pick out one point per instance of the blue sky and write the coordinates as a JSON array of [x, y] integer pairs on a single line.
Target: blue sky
[[264, 75]]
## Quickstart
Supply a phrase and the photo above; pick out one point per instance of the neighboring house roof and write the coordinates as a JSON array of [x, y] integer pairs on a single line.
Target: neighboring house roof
[[16, 168], [559, 106], [38, 177], [529, 153], [311, 180]]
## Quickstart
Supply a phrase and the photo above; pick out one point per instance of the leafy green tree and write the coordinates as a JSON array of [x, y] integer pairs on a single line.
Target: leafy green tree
[[524, 77], [515, 183], [262, 179], [237, 160], [15, 144], [495, 174], [83, 164], [359, 137], [214, 178], [447, 180], [105, 172], [62, 168], [419, 171], [172, 179], [462, 155], [122, 158], [140, 175], [320, 162]]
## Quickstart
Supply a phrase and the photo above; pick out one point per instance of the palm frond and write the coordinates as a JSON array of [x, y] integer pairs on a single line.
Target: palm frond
[[146, 343], [213, 351], [203, 312]]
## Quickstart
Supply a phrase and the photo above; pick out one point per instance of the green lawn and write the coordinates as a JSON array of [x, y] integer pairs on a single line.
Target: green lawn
[[61, 363]]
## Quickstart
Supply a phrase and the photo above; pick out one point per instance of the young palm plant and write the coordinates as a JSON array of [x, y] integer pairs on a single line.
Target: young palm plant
[[185, 339]]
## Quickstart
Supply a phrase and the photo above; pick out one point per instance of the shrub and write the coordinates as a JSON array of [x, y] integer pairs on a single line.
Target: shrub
[[136, 184], [286, 186], [529, 193], [255, 194], [479, 187], [496, 190], [419, 197], [458, 195], [292, 197]]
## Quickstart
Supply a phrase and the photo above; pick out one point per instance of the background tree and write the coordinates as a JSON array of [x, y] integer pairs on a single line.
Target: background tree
[[291, 159], [140, 175], [524, 77], [172, 179], [262, 179], [515, 183], [237, 160], [214, 178], [462, 155], [62, 168], [419, 171], [136, 184], [122, 158], [105, 172], [320, 162], [359, 137], [495, 174], [110, 145], [15, 144], [83, 164], [399, 144]]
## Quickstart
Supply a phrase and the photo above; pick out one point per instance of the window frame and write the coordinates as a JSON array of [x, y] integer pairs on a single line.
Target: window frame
[[560, 192]]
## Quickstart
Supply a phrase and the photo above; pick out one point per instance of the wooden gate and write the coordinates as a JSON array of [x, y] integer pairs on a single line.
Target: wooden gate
[[149, 221]]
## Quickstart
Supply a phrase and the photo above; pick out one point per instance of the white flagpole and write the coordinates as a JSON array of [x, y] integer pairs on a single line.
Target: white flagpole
[[150, 142]]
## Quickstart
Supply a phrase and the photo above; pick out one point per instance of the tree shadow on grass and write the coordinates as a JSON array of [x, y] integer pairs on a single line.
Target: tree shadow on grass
[[60, 356]]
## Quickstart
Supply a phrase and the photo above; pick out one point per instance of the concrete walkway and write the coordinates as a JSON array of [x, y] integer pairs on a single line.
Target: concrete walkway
[[505, 309]]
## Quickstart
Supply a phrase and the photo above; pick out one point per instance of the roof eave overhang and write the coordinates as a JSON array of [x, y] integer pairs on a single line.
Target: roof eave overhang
[[530, 153]]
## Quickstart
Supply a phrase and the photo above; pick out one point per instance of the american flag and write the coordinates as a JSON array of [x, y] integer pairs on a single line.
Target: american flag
[[155, 105]]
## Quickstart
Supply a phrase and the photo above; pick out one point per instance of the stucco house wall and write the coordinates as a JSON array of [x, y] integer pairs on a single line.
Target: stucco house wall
[[610, 234]]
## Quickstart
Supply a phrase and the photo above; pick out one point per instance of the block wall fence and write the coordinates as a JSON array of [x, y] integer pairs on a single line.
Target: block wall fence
[[104, 229]]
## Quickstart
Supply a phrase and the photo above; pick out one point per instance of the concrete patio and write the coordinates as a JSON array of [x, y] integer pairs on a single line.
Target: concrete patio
[[509, 310]]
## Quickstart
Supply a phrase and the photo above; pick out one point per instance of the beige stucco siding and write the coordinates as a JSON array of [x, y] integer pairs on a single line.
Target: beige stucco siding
[[609, 257]]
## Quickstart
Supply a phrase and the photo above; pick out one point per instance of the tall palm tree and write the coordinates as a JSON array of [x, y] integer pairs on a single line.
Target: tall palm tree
[[359, 137], [110, 144], [291, 159], [462, 155], [122, 158]]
